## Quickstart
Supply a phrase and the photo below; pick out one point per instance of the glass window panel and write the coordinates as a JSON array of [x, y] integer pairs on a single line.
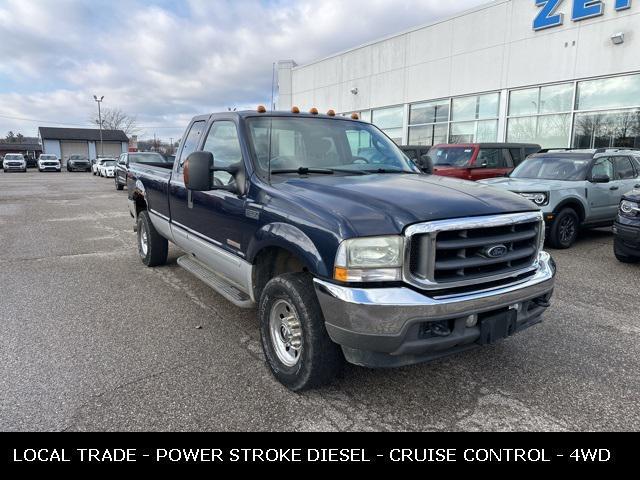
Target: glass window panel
[[464, 108], [624, 168], [388, 117], [487, 131], [488, 105], [431, 112], [607, 129], [523, 102], [394, 134], [428, 135], [556, 98], [553, 131], [550, 131], [609, 93], [463, 132]]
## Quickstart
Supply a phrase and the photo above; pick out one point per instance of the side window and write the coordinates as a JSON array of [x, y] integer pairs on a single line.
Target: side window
[[516, 154], [192, 141], [636, 161], [492, 157], [603, 166], [224, 144], [624, 168]]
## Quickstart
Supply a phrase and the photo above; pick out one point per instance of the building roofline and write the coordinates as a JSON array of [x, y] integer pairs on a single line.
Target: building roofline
[[469, 11]]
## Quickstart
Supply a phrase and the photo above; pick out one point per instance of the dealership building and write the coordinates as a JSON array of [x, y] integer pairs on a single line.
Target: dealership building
[[86, 142], [561, 73]]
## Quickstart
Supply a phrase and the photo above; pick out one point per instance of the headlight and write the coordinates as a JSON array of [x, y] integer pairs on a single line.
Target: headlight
[[630, 209], [540, 199], [373, 259]]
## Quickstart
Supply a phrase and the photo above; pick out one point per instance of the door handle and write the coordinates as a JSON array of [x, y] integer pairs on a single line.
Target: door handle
[[613, 189], [637, 185]]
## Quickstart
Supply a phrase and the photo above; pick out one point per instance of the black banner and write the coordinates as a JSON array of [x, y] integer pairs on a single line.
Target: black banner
[[521, 451]]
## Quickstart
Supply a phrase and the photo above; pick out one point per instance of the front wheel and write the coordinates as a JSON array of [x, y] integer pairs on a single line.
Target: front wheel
[[621, 256], [119, 186], [153, 248], [564, 230], [295, 341]]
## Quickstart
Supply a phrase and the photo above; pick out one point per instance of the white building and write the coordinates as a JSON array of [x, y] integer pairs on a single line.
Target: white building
[[562, 73]]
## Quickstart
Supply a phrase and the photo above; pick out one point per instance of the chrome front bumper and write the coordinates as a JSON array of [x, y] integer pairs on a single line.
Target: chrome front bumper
[[368, 322]]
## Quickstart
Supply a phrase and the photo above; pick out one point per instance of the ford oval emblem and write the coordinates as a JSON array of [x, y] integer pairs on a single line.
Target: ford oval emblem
[[497, 251]]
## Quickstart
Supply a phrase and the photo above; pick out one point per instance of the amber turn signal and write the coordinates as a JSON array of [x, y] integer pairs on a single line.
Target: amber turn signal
[[341, 274]]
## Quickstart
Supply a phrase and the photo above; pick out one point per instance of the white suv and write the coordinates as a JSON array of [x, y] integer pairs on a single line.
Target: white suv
[[14, 162], [49, 163]]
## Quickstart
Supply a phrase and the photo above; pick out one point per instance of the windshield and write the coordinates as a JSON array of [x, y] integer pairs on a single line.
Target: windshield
[[553, 168], [48, 157], [451, 156], [14, 157], [146, 158], [319, 145], [110, 163], [76, 157]]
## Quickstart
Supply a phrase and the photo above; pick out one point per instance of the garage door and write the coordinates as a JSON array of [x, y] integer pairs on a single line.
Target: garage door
[[111, 149], [74, 148]]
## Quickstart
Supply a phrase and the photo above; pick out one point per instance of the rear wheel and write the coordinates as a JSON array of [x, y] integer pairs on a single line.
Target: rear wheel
[[295, 341], [153, 248], [564, 230], [621, 255]]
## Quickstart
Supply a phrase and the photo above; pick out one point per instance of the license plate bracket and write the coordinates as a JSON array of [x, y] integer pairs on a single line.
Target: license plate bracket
[[498, 327]]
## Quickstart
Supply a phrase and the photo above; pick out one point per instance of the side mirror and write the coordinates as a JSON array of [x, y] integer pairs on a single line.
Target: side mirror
[[600, 179], [425, 163], [198, 170]]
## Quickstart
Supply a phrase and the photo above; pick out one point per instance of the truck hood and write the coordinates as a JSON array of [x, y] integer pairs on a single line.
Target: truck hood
[[529, 185], [386, 204], [633, 195]]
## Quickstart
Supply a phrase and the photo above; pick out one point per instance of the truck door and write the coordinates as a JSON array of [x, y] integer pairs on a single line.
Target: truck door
[[219, 215], [604, 197], [178, 196]]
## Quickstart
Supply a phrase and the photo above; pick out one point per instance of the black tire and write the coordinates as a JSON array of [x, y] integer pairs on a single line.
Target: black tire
[[157, 246], [621, 256], [320, 360], [119, 186], [564, 230]]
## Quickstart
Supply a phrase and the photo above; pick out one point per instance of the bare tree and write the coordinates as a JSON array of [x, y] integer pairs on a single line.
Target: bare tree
[[116, 119]]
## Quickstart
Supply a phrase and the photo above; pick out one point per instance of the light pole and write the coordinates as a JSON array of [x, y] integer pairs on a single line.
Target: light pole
[[100, 120]]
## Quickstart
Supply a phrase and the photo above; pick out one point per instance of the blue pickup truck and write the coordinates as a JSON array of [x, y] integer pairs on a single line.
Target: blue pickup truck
[[346, 249]]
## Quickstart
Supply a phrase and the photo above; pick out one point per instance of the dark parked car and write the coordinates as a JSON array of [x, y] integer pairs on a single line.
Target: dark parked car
[[344, 256], [627, 229], [477, 161], [78, 163], [31, 161], [418, 155], [122, 168]]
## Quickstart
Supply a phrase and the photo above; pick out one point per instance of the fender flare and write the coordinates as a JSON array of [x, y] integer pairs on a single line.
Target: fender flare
[[570, 201], [292, 239]]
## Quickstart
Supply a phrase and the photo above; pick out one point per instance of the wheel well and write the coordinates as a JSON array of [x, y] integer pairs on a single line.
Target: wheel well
[[273, 262], [575, 205], [141, 204]]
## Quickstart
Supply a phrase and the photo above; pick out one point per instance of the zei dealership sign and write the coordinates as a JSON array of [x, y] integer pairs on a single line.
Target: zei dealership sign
[[581, 9]]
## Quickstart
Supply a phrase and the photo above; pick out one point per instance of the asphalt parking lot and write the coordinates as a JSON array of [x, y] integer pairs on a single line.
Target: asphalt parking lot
[[92, 340]]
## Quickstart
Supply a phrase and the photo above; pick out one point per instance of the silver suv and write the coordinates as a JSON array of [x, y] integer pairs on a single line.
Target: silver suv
[[574, 188]]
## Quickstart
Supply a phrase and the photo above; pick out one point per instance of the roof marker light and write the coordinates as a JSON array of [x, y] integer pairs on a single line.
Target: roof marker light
[[331, 113], [262, 109], [313, 111], [295, 110], [355, 116]]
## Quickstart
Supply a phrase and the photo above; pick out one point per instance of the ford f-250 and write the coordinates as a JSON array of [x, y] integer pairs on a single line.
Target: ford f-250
[[345, 257]]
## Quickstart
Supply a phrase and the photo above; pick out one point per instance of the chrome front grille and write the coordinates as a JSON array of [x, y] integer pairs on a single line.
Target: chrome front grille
[[468, 251]]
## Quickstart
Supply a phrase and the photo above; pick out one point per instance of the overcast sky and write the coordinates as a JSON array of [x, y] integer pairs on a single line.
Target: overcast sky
[[164, 61]]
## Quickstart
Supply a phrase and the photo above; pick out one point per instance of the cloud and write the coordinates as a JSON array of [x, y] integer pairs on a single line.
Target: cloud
[[166, 61]]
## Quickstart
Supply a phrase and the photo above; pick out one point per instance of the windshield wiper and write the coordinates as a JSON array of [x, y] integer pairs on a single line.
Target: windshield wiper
[[303, 171], [384, 170]]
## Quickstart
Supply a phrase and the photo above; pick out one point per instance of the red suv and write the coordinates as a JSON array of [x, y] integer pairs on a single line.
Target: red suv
[[477, 161]]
